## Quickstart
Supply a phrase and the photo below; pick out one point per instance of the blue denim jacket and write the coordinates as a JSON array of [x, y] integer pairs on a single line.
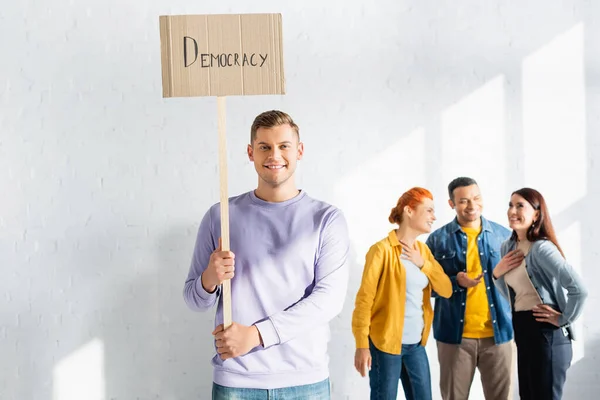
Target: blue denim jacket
[[449, 247]]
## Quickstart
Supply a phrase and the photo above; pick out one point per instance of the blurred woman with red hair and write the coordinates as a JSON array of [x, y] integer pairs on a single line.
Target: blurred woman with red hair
[[546, 296], [393, 315]]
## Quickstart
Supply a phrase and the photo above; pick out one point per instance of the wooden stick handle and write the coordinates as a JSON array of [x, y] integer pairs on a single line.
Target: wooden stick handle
[[226, 295]]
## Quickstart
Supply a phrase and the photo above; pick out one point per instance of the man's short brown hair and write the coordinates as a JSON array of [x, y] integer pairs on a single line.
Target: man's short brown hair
[[271, 119]]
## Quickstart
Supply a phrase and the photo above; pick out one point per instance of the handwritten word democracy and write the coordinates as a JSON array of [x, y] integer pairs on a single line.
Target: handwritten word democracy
[[209, 60]]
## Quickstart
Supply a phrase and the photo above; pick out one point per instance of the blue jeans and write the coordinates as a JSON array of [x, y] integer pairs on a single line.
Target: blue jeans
[[315, 391], [411, 366]]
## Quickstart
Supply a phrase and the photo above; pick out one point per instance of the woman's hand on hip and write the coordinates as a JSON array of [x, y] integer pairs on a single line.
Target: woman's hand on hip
[[545, 313]]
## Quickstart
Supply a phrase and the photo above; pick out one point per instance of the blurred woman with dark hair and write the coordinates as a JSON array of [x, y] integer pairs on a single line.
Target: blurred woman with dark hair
[[393, 315], [542, 311]]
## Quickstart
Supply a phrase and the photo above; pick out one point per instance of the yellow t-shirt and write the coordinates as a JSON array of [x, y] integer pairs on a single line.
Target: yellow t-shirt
[[478, 321]]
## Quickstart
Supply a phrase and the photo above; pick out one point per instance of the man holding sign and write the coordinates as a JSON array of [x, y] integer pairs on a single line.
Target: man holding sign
[[289, 268]]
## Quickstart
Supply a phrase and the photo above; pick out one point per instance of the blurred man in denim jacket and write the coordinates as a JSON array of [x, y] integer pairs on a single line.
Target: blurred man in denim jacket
[[473, 327]]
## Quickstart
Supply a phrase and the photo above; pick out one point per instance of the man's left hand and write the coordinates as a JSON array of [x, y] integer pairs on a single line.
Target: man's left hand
[[236, 340]]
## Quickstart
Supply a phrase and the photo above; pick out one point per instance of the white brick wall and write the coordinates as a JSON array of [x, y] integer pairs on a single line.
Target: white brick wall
[[103, 183]]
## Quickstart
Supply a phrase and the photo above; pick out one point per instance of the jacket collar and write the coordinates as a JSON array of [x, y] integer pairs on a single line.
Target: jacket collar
[[393, 238], [485, 225]]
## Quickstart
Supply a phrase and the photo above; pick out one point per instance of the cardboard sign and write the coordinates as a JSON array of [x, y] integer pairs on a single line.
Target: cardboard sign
[[221, 55]]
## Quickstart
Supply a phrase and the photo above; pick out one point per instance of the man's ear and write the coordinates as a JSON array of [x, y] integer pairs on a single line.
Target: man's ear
[[300, 150], [451, 204], [250, 153]]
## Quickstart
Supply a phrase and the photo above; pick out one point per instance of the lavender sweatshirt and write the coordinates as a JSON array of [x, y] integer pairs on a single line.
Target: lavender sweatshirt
[[290, 280]]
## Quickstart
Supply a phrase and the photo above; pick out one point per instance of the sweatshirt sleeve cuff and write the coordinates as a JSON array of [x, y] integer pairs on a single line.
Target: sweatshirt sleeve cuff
[[268, 333], [202, 293]]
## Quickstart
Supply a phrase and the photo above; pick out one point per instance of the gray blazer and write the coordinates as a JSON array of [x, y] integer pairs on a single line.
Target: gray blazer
[[557, 283]]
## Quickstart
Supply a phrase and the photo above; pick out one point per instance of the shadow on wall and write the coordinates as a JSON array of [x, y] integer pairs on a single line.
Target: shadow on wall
[[156, 347], [345, 380], [583, 377]]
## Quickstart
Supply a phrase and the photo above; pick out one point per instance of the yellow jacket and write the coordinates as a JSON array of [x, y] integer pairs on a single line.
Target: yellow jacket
[[379, 307]]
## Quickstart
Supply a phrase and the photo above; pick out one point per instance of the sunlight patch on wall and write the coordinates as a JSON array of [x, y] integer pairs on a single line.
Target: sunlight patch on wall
[[81, 374], [367, 194], [473, 145], [554, 120]]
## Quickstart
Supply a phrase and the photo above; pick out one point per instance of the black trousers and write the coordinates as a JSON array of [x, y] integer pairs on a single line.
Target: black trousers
[[544, 354]]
